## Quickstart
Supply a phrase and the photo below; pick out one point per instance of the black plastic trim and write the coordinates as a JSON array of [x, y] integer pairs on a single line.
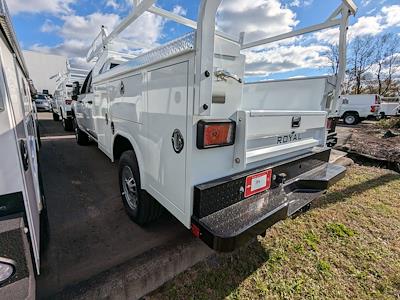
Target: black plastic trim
[[11, 205]]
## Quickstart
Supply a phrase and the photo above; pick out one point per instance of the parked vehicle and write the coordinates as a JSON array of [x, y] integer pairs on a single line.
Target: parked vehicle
[[42, 102], [62, 104], [21, 204], [190, 136], [390, 107], [355, 108]]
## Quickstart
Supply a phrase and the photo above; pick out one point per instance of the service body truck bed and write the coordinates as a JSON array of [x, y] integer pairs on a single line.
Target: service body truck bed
[[20, 198], [189, 137]]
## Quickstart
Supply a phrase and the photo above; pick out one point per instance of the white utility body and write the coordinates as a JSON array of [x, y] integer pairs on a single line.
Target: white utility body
[[191, 136], [390, 106], [21, 203], [355, 108], [62, 98]]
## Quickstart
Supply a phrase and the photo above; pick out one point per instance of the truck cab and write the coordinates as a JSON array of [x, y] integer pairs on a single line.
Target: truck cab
[[83, 106], [191, 136]]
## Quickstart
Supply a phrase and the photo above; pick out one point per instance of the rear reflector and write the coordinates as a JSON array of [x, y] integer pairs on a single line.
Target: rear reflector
[[215, 133], [195, 230]]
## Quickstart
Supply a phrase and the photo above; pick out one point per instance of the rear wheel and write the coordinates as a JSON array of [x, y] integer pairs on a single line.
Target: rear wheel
[[350, 119], [140, 207], [82, 138], [67, 124], [56, 117]]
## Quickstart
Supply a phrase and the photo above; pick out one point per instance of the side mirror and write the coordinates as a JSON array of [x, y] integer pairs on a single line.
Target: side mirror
[[75, 90]]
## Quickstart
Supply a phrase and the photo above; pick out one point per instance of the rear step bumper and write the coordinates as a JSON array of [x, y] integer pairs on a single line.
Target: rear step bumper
[[224, 220]]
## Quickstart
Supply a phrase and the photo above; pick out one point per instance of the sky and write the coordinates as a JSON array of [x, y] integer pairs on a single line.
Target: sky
[[68, 27]]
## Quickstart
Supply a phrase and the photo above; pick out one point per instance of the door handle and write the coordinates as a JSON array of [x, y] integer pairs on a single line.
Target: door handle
[[90, 102], [24, 154]]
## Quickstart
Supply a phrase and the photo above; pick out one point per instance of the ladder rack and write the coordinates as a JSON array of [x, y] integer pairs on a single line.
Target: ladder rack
[[205, 32]]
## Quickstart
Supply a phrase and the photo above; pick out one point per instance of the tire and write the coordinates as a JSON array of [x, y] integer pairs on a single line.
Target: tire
[[82, 138], [140, 207], [67, 124], [350, 119], [56, 117]]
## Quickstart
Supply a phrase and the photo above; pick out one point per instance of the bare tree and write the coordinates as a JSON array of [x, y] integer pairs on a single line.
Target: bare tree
[[333, 55], [387, 60], [361, 59]]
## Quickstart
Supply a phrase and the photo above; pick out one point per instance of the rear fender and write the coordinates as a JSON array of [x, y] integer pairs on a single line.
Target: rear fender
[[136, 149]]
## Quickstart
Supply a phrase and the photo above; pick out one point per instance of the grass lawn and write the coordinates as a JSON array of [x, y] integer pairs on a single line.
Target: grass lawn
[[347, 246]]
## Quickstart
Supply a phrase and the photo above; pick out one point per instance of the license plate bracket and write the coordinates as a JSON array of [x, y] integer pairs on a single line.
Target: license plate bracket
[[257, 183]]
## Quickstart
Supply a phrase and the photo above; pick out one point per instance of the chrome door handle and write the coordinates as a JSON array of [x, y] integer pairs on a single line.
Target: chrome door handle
[[223, 75]]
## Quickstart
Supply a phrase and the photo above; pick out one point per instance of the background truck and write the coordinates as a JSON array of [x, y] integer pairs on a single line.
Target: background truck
[[355, 108], [21, 203], [62, 98], [190, 136], [390, 106]]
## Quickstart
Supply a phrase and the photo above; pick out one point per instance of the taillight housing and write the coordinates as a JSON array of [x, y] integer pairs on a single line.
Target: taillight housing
[[68, 102], [215, 133], [373, 108]]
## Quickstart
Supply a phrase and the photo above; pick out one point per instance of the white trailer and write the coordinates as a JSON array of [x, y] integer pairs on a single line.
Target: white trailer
[[62, 98], [21, 203], [191, 137]]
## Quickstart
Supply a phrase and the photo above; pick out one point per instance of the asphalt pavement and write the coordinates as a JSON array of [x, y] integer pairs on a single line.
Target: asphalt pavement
[[89, 230]]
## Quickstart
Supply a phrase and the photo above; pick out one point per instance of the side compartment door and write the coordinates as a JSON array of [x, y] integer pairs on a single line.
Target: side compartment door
[[166, 128]]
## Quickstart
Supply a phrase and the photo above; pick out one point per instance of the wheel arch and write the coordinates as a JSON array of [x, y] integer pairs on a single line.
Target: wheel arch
[[123, 142], [348, 112]]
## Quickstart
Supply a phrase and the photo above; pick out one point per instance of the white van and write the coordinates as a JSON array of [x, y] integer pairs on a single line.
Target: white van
[[355, 108], [21, 204], [190, 136]]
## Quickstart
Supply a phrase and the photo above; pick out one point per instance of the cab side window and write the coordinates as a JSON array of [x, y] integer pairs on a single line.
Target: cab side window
[[87, 85]]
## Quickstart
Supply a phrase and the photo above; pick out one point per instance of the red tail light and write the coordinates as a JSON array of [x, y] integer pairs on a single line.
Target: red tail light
[[373, 108], [328, 124], [215, 133], [68, 102]]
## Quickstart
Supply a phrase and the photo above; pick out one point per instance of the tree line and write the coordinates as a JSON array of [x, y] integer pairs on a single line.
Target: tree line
[[373, 65]]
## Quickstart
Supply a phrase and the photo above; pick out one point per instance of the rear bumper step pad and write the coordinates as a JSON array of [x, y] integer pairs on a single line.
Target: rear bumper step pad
[[225, 229]]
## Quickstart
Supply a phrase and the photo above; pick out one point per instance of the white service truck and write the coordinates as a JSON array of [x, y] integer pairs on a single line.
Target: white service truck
[[390, 107], [355, 108], [191, 137], [21, 203], [62, 98]]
